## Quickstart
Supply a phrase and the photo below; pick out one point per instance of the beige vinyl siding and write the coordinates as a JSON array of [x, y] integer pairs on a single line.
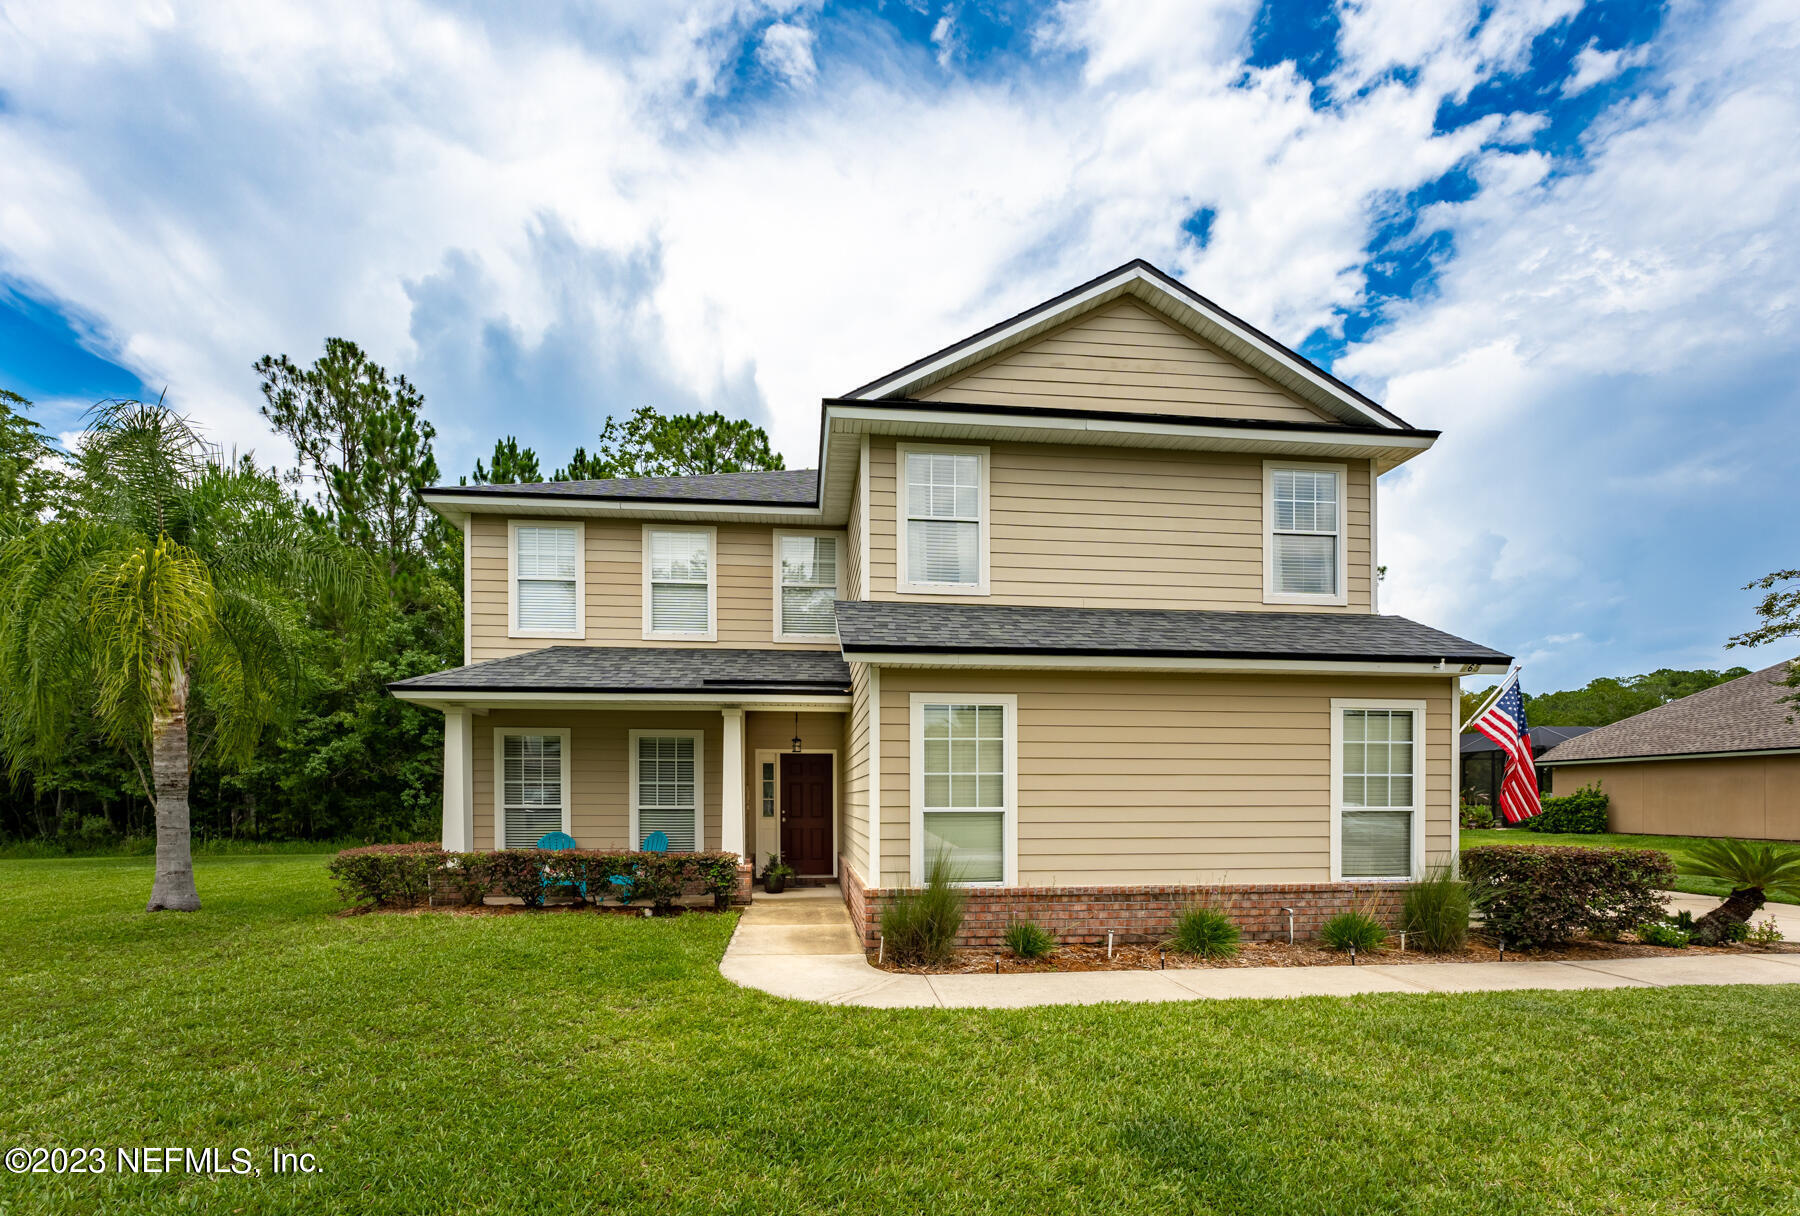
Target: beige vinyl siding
[[1139, 778], [615, 589], [1123, 357], [1103, 528], [853, 815], [599, 794], [1754, 797]]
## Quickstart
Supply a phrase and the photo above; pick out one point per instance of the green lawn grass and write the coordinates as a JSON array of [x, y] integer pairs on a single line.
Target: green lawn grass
[[578, 1063], [1675, 846]]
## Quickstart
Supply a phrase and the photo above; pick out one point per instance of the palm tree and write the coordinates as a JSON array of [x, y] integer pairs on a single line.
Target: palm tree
[[1753, 871], [171, 573]]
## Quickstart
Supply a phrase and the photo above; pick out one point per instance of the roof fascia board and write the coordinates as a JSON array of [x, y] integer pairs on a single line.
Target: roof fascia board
[[457, 506], [500, 699], [1360, 440], [1107, 662], [1744, 753], [1150, 283]]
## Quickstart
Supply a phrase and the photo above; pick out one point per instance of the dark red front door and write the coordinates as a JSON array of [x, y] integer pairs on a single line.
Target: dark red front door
[[806, 813]]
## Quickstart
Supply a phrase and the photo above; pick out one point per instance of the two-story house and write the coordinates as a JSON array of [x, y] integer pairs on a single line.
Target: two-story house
[[1086, 602]]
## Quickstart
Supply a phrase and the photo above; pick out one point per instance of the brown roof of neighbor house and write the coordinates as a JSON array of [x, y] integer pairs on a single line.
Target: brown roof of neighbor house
[[1748, 714]]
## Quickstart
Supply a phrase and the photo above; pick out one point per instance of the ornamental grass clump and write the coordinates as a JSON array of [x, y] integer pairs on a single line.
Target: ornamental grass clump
[[1205, 932], [1436, 912], [1028, 940], [1356, 931], [919, 926]]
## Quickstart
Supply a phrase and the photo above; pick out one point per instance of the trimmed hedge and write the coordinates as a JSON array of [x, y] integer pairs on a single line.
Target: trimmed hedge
[[1582, 813], [400, 875], [1540, 895]]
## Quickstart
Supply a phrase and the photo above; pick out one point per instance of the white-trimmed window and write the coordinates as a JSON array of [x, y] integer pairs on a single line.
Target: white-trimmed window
[[544, 569], [965, 786], [808, 584], [531, 786], [680, 582], [1378, 788], [667, 793], [1303, 533], [943, 506]]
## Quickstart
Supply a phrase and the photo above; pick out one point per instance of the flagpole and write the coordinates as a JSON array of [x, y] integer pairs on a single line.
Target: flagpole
[[1512, 673]]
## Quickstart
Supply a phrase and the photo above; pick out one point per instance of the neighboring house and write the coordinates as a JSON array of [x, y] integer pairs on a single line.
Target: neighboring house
[[1483, 763], [1724, 761], [1086, 601]]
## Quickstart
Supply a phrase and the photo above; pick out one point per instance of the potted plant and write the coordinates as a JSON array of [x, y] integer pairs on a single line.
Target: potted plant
[[776, 875]]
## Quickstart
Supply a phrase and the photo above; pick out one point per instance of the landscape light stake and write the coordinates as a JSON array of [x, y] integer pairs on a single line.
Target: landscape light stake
[[1164, 956], [880, 948], [1403, 941], [996, 964], [1290, 916], [1503, 950], [1109, 944], [1353, 954]]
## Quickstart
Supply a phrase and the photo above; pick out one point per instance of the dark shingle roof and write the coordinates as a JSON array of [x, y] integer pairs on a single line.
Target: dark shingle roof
[[1748, 714], [880, 626], [639, 669], [780, 488], [1543, 738]]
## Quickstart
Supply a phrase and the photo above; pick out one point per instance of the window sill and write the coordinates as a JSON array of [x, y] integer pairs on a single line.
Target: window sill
[[652, 636], [1296, 597], [808, 639], [941, 589], [566, 635]]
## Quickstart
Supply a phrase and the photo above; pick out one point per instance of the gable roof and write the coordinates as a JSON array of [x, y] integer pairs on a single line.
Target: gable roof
[[1748, 714], [1174, 300], [892, 627], [777, 488]]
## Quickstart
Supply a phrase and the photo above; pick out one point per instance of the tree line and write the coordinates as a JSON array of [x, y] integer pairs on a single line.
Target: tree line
[[174, 617]]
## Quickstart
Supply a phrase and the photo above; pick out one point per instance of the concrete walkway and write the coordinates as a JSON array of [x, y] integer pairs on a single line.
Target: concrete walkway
[[800, 945]]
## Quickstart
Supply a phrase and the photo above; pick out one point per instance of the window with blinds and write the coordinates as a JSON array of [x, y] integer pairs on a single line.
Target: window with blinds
[[545, 566], [809, 577], [964, 795], [1377, 795], [943, 518], [531, 789], [668, 789], [680, 581], [1306, 531]]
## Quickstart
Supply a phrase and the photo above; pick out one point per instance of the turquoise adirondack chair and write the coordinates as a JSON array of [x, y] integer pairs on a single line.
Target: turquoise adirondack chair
[[557, 842], [655, 842]]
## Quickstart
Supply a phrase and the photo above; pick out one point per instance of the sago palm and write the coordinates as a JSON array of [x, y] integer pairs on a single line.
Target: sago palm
[[1753, 871], [169, 574]]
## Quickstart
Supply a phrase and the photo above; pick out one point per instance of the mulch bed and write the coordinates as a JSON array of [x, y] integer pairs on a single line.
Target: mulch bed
[[1301, 954]]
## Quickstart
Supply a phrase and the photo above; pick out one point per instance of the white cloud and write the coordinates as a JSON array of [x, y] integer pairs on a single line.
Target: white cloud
[[1594, 66], [787, 50]]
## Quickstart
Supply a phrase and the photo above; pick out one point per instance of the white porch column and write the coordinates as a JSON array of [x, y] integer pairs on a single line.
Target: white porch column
[[459, 781], [731, 796]]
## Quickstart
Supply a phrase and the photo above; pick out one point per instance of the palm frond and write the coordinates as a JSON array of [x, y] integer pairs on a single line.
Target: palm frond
[[148, 611], [1742, 863]]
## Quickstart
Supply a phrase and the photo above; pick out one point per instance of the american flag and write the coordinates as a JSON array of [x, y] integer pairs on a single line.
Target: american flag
[[1504, 722]]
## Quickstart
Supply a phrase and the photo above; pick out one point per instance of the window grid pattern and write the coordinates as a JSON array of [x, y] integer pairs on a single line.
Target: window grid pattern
[[1378, 794], [666, 790], [964, 767], [546, 566], [680, 582], [1306, 531], [809, 577], [943, 518], [531, 788]]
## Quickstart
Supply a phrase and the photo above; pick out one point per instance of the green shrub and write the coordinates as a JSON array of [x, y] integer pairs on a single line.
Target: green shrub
[[1581, 813], [1206, 932], [1353, 929], [1541, 895], [919, 926], [1436, 912], [399, 875], [1661, 933], [1028, 939], [1476, 816], [386, 875]]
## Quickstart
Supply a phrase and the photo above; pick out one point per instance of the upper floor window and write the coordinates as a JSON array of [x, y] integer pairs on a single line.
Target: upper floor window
[[679, 582], [1303, 534], [547, 594], [943, 508], [806, 586]]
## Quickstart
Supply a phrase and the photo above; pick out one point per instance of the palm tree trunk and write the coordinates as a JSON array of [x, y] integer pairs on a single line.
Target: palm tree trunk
[[174, 887], [1739, 906]]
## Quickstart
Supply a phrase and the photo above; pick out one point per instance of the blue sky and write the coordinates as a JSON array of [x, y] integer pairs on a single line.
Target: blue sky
[[1558, 231]]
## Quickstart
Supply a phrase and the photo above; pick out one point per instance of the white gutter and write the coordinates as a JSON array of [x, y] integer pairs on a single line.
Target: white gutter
[[1741, 755], [1106, 662]]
